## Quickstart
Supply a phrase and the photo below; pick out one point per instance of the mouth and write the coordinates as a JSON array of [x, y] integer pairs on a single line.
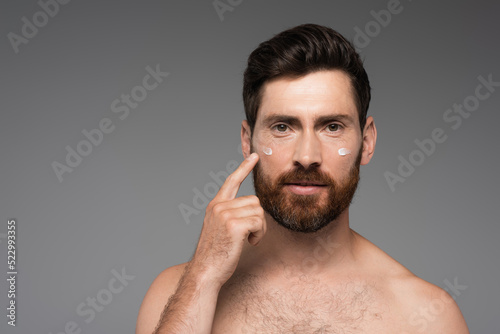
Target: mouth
[[306, 183], [305, 187]]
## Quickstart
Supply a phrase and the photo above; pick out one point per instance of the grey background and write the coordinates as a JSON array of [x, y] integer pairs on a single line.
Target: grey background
[[120, 207]]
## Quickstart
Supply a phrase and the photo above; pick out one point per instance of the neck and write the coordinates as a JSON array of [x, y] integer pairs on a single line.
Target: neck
[[331, 248]]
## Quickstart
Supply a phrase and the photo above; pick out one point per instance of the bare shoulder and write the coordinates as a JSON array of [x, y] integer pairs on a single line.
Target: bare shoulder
[[163, 286], [424, 307], [427, 307]]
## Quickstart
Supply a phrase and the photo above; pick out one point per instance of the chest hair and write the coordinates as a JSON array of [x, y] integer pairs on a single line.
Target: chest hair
[[301, 305]]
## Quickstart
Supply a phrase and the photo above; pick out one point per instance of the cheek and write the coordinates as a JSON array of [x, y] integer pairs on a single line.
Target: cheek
[[341, 154], [343, 149], [272, 149]]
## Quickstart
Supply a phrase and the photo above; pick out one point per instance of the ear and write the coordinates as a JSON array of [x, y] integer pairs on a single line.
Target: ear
[[369, 141], [246, 140]]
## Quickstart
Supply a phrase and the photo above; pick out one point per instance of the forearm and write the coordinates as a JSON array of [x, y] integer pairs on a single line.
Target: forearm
[[191, 308]]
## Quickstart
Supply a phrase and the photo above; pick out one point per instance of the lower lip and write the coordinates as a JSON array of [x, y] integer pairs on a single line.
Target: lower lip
[[304, 190]]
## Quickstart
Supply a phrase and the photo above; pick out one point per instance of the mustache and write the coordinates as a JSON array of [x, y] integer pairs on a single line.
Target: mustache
[[307, 175]]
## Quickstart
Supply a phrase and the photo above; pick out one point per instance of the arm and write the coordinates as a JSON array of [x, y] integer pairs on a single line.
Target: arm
[[157, 296], [189, 306], [448, 317]]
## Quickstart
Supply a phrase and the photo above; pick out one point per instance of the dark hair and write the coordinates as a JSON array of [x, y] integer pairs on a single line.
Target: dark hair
[[297, 52]]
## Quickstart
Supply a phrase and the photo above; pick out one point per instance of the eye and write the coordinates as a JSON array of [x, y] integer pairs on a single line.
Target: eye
[[281, 127], [334, 127]]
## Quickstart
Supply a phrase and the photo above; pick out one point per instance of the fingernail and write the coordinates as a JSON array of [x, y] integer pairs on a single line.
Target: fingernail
[[252, 156]]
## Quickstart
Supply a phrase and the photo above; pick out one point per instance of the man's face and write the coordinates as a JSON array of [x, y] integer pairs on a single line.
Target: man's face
[[305, 183]]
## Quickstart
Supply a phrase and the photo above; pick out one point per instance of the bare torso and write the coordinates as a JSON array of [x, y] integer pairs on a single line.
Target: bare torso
[[366, 293], [308, 306], [367, 299]]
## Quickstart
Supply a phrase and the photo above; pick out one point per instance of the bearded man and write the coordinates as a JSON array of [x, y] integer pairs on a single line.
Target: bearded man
[[286, 260]]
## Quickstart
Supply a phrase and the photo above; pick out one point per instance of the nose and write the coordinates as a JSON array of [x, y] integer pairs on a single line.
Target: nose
[[308, 150]]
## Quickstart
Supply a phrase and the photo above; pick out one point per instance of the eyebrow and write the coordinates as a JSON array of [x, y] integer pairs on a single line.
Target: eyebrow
[[320, 120]]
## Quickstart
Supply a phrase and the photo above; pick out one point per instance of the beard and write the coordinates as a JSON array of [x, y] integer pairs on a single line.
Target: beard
[[305, 213]]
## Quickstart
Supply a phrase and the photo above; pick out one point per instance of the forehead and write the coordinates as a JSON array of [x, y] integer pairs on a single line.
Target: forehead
[[314, 94]]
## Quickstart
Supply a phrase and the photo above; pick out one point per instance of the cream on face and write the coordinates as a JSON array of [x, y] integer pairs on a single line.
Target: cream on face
[[267, 151], [344, 151]]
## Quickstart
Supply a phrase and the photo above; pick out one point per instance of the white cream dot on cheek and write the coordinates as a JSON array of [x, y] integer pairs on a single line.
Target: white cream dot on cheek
[[267, 151], [344, 151]]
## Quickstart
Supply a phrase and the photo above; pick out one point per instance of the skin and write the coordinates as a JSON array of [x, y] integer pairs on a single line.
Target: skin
[[247, 270]]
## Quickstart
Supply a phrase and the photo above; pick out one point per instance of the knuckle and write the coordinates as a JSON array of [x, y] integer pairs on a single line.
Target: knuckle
[[226, 215], [255, 199], [250, 222], [257, 220], [232, 224], [217, 208], [210, 206]]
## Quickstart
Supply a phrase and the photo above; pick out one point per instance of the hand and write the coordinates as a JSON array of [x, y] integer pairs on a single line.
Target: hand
[[229, 223]]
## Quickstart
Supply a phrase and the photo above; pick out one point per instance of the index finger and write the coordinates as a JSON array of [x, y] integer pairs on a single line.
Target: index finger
[[233, 182]]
